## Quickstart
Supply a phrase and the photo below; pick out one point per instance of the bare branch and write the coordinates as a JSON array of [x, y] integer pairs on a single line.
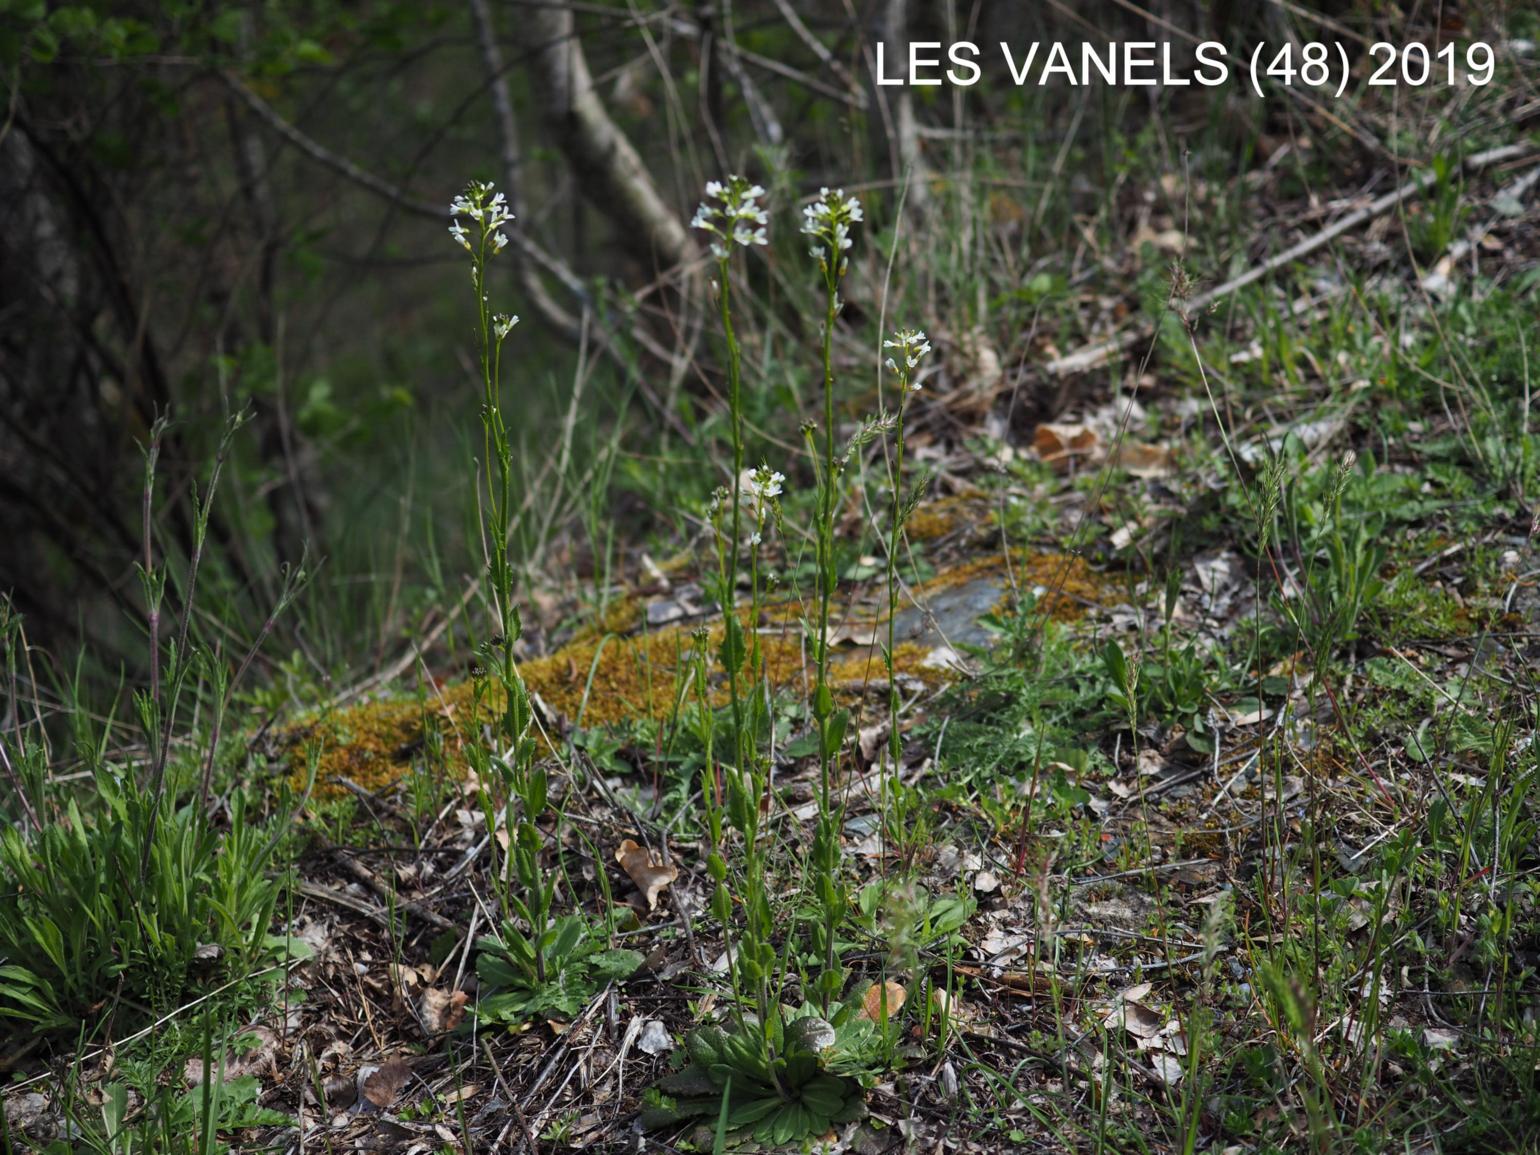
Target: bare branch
[[508, 138], [603, 159]]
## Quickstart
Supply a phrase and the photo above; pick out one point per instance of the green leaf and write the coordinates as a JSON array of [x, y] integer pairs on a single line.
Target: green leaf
[[834, 737], [732, 650], [825, 1094], [44, 44], [823, 702], [1116, 666], [704, 1045], [803, 746], [307, 51], [752, 1110], [563, 938], [616, 964]]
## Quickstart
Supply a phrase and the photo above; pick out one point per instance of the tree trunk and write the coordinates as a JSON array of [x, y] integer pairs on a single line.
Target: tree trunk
[[603, 160]]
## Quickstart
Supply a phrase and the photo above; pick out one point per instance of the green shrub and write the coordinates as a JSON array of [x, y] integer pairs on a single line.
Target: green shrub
[[122, 910]]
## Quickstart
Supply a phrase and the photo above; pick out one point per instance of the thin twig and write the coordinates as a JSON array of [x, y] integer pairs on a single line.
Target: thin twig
[[1090, 357]]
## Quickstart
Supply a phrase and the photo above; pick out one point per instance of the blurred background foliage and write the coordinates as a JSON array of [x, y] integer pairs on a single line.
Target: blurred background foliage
[[207, 207]]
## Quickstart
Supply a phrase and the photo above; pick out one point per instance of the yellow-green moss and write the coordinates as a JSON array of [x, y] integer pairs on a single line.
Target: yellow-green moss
[[610, 679], [936, 519]]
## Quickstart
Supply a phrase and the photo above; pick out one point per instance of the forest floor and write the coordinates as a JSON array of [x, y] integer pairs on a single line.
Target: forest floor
[[1214, 824]]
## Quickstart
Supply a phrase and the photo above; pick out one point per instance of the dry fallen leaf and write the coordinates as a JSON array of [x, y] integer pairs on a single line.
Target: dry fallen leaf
[[1144, 461], [871, 1002], [654, 1038], [869, 739], [1059, 445], [643, 868], [1135, 1018], [1167, 1068], [441, 1011], [254, 1054], [380, 1085]]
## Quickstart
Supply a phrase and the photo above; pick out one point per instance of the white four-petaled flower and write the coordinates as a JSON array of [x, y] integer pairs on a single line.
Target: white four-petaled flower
[[768, 482], [732, 215], [827, 221], [912, 346], [488, 209]]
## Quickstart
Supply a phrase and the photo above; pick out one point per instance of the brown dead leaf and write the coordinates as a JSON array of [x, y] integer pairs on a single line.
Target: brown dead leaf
[[380, 1085], [945, 1003], [869, 739], [1061, 445], [978, 374], [255, 1053], [1138, 1020], [1144, 460], [644, 869], [440, 1011], [861, 635], [871, 1002]]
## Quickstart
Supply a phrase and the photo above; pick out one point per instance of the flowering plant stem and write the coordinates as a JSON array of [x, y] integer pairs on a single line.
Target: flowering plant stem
[[732, 217], [828, 223], [826, 836], [890, 763], [910, 346], [527, 892]]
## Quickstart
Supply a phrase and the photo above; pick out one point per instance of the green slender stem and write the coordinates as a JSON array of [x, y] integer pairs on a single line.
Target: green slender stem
[[524, 785], [730, 569], [826, 839], [826, 576], [895, 532]]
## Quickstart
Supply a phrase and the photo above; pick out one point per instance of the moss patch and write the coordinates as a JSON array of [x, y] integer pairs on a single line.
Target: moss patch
[[595, 682], [946, 515], [612, 679]]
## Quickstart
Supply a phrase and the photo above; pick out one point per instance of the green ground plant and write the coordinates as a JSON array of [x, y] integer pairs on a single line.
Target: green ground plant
[[111, 910], [537, 962]]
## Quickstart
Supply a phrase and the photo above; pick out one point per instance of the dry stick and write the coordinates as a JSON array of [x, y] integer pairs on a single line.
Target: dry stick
[[373, 881], [1093, 355], [508, 139], [766, 126], [602, 157], [365, 179], [820, 50], [316, 891]]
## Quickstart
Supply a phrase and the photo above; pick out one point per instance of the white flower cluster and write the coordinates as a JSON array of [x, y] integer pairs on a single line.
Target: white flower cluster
[[911, 346], [762, 485], [760, 489], [735, 218], [827, 221], [488, 209], [502, 325]]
